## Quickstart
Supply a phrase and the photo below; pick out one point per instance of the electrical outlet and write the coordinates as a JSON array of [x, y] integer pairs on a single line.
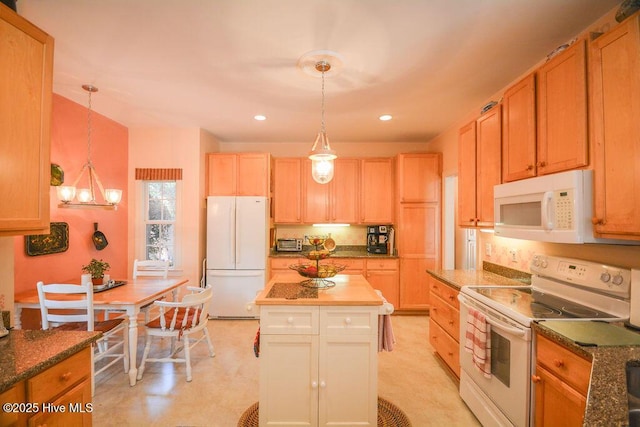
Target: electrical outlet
[[514, 255], [487, 249]]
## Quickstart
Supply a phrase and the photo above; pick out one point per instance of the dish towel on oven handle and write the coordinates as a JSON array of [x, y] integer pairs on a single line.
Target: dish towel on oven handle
[[478, 341], [386, 339]]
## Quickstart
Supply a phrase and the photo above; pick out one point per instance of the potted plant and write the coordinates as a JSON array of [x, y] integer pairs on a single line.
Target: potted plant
[[96, 269]]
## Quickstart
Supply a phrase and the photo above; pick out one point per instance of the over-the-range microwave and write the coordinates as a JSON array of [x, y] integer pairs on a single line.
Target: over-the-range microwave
[[550, 208]]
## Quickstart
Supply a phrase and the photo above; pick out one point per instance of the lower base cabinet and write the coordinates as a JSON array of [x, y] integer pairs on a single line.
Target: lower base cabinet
[[561, 384], [61, 393], [444, 324], [318, 366]]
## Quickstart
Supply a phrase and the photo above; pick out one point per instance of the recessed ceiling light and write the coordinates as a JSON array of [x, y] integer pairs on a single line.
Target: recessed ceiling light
[[260, 117], [385, 117]]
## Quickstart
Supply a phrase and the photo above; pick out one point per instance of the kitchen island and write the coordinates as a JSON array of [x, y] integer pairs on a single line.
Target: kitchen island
[[318, 352]]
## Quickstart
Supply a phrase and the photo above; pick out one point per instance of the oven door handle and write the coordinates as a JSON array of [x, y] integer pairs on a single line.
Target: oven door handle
[[514, 331]]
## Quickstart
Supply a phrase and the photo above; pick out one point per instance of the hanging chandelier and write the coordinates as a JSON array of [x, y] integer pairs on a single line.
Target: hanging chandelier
[[86, 196], [321, 154]]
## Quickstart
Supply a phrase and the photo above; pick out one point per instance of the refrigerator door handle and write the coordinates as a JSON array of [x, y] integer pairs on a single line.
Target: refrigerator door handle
[[232, 227], [234, 273]]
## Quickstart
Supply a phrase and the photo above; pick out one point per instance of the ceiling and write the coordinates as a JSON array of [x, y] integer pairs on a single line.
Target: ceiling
[[214, 64]]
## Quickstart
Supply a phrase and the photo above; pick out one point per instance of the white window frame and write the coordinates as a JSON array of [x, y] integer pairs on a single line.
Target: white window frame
[[141, 221]]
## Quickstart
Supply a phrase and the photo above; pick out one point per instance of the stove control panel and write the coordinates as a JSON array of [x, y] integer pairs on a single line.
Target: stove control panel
[[592, 275]]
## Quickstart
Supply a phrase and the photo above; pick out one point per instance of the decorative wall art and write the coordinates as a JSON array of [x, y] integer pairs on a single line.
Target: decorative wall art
[[54, 242]]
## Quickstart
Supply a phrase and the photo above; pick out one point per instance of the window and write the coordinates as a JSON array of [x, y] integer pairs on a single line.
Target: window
[[160, 208]]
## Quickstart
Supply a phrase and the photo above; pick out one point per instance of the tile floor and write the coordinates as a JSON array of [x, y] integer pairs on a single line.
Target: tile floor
[[224, 386]]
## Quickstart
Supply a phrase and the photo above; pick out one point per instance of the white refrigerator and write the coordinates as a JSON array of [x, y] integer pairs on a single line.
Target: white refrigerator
[[237, 239]]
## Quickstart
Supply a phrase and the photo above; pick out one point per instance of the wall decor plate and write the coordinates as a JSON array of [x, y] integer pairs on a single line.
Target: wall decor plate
[[43, 244]]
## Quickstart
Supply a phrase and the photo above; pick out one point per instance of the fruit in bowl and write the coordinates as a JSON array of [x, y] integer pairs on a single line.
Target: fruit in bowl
[[316, 240], [317, 255], [317, 272]]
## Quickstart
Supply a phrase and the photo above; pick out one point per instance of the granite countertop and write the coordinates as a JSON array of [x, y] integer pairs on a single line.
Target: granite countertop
[[491, 274], [349, 290], [607, 398], [343, 251], [25, 353]]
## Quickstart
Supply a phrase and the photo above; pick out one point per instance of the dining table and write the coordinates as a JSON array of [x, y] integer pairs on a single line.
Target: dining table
[[130, 298]]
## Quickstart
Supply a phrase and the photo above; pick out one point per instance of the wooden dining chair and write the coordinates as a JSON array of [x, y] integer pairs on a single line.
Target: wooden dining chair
[[149, 268], [180, 321], [70, 308]]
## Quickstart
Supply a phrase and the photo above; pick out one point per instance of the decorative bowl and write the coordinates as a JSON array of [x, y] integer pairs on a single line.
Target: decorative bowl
[[314, 271], [316, 240], [317, 255]]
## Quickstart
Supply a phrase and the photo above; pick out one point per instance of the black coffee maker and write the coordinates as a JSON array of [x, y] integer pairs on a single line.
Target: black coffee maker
[[378, 239]]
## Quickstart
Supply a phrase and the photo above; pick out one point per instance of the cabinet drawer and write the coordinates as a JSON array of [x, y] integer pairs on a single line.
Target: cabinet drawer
[[288, 320], [349, 321], [446, 292], [350, 263], [446, 316], [445, 346], [57, 379], [563, 363], [284, 263], [382, 264]]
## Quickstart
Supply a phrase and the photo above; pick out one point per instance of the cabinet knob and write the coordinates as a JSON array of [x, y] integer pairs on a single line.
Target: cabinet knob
[[314, 384], [541, 164], [289, 320], [347, 320], [535, 378], [451, 297], [451, 322], [558, 363], [530, 167], [598, 221], [65, 377], [323, 384]]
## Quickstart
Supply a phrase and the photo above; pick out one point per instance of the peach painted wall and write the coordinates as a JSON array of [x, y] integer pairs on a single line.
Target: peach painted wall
[[174, 148], [109, 154]]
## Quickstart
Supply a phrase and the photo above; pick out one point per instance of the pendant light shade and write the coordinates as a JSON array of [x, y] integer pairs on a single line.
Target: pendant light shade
[[86, 196], [321, 154]]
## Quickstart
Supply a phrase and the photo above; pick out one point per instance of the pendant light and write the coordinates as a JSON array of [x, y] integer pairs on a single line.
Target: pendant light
[[321, 154], [86, 196]]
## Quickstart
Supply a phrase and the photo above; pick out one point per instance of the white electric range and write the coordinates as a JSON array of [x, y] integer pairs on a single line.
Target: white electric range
[[561, 288]]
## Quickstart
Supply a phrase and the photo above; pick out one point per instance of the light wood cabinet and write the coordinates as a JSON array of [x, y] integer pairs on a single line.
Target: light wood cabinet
[[467, 175], [352, 265], [65, 385], [335, 202], [615, 129], [377, 193], [418, 227], [238, 174], [444, 324], [318, 365], [561, 384], [519, 130], [562, 142], [287, 190], [418, 178], [26, 54], [418, 246], [384, 275], [479, 168]]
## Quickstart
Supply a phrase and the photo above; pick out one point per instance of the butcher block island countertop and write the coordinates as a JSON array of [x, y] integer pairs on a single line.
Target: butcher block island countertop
[[350, 290]]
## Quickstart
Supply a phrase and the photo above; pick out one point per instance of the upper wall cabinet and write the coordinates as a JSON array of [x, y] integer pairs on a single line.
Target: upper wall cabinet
[[479, 155], [377, 191], [562, 142], [615, 129], [519, 130], [418, 178], [26, 57], [287, 190], [238, 174], [545, 118], [335, 202]]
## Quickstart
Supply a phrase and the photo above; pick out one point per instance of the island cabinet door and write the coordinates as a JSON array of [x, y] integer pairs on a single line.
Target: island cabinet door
[[348, 388], [288, 380]]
